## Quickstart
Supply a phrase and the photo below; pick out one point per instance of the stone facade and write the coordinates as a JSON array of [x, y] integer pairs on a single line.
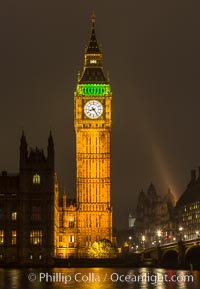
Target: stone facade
[[89, 218], [154, 217], [27, 207]]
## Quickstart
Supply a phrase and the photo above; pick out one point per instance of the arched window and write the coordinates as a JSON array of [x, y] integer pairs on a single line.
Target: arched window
[[14, 237], [36, 179], [36, 237], [1, 237], [14, 216]]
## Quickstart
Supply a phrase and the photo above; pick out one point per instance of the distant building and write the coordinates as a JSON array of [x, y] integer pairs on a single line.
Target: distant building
[[188, 208], [154, 217]]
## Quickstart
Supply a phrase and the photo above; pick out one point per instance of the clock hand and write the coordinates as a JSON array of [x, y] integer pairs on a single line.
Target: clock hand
[[94, 110]]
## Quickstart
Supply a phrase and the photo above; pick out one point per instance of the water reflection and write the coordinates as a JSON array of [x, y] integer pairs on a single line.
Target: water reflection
[[98, 278], [85, 278], [14, 279]]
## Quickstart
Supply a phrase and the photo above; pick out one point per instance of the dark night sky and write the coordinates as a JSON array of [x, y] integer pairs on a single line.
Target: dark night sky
[[152, 51]]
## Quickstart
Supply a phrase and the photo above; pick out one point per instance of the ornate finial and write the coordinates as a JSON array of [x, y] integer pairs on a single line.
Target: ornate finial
[[23, 137], [79, 76], [93, 17], [23, 133], [50, 139]]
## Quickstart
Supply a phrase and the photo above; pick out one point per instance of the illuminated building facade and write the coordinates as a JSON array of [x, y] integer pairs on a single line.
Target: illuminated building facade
[[89, 217], [188, 208]]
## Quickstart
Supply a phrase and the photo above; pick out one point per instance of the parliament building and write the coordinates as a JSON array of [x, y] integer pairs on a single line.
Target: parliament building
[[155, 213], [37, 224]]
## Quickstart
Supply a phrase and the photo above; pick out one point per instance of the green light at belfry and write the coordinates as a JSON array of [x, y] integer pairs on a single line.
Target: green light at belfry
[[93, 89]]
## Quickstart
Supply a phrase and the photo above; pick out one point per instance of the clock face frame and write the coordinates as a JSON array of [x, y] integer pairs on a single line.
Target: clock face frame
[[93, 109]]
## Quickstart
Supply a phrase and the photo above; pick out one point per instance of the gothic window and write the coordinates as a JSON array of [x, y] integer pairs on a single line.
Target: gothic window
[[36, 179], [14, 237], [35, 214], [60, 220], [93, 61], [71, 238], [90, 221], [87, 220], [1, 237], [97, 223], [14, 216], [36, 237], [71, 224], [71, 241]]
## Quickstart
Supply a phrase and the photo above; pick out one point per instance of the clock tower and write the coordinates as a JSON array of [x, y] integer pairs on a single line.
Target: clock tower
[[92, 121]]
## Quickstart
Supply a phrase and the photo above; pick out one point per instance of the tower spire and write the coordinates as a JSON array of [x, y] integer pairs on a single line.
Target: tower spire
[[93, 47], [93, 17], [50, 149], [93, 67], [23, 143], [23, 150]]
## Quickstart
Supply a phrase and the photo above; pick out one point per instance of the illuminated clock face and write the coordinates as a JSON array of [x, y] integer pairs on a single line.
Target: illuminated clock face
[[93, 109]]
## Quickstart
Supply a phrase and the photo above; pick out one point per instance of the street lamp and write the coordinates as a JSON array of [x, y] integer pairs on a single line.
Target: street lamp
[[159, 233], [197, 233], [130, 243], [180, 230], [143, 240], [158, 236]]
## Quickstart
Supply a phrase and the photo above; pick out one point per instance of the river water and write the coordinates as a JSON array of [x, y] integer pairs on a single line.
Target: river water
[[98, 278]]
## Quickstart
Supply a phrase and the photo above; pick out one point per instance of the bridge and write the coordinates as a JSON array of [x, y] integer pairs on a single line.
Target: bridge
[[184, 253]]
